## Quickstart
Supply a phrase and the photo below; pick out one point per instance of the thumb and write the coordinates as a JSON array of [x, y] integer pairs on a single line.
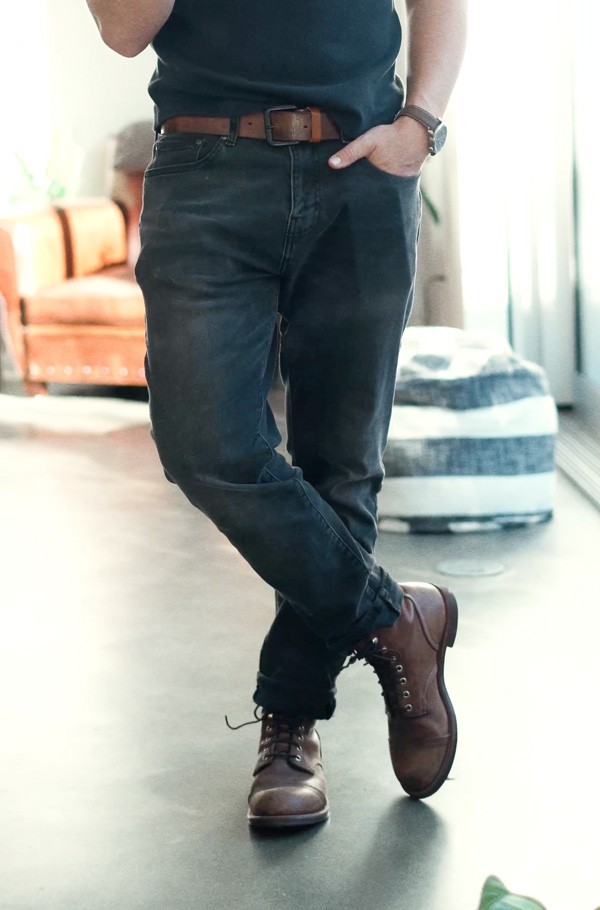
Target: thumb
[[358, 148]]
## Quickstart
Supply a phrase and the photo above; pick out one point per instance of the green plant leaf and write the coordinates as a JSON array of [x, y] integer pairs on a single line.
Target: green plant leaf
[[493, 890], [432, 208], [495, 896]]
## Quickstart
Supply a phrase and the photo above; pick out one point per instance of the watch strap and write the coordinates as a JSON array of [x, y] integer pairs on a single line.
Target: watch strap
[[436, 129], [418, 113]]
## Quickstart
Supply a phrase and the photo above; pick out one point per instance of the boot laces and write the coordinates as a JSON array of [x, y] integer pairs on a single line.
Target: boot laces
[[283, 734], [387, 665], [280, 733]]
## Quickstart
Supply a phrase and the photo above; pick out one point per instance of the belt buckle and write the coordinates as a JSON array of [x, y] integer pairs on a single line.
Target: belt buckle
[[269, 125]]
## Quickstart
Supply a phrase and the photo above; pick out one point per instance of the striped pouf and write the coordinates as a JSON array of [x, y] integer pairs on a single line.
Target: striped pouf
[[472, 436]]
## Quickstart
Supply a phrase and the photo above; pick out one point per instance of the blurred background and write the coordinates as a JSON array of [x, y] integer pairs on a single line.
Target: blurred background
[[122, 786], [516, 189]]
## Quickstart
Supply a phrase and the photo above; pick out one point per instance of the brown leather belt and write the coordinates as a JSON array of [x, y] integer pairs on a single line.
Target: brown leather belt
[[279, 125]]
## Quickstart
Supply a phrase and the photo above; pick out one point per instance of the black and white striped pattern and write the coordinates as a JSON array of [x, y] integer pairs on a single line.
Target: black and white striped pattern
[[472, 435]]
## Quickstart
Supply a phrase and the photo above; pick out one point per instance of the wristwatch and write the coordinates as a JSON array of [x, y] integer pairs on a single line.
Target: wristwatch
[[436, 128]]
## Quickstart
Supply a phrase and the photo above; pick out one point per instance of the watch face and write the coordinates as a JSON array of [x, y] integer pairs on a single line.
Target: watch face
[[439, 137]]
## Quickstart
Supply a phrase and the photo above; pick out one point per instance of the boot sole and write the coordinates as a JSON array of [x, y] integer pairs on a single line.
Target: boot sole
[[447, 642], [288, 821]]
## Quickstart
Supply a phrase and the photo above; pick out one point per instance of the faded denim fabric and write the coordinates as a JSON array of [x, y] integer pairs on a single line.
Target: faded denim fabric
[[241, 242]]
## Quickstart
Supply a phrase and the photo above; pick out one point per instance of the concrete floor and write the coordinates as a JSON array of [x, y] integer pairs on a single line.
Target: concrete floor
[[129, 627]]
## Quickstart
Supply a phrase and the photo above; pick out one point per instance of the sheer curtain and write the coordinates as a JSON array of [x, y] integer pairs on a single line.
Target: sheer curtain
[[438, 291], [586, 71], [514, 113]]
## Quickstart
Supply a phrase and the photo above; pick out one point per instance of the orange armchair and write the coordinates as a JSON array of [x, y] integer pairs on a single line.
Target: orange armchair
[[73, 310]]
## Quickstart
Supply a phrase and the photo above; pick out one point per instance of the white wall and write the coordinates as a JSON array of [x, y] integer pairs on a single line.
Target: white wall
[[23, 77], [94, 92]]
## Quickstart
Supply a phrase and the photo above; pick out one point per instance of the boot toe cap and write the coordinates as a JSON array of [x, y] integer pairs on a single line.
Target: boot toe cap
[[422, 771], [287, 801]]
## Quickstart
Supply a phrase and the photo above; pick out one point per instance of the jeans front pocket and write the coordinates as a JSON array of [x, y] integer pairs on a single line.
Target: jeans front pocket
[[176, 153], [380, 170]]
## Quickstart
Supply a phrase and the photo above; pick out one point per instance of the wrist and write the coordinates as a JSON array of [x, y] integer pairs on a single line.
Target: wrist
[[432, 126], [413, 133], [433, 107]]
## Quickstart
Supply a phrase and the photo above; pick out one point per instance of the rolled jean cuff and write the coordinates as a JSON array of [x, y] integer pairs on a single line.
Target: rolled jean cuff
[[383, 611], [279, 697]]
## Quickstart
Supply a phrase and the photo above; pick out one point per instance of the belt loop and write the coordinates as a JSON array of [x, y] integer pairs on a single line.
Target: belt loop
[[316, 130], [234, 126]]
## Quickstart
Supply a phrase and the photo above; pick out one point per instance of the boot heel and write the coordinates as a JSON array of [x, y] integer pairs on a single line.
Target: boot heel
[[450, 601]]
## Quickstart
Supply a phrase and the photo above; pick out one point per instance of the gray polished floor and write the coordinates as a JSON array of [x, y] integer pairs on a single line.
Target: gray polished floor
[[129, 627]]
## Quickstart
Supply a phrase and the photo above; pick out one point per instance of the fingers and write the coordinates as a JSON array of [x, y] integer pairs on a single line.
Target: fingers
[[358, 148]]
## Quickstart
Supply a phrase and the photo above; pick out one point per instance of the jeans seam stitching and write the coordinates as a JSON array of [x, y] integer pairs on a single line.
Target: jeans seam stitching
[[290, 221], [332, 529], [166, 169], [316, 207]]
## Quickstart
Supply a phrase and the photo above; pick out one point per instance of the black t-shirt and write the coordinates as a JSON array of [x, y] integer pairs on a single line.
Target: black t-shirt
[[233, 57]]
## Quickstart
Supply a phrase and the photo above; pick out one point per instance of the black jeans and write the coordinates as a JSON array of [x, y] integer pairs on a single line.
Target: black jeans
[[235, 233]]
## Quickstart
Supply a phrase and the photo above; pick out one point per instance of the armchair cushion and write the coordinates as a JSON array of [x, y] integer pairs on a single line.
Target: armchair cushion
[[90, 300]]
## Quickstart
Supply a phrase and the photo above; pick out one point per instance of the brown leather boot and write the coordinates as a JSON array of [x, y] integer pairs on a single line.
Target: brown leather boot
[[408, 659], [289, 786]]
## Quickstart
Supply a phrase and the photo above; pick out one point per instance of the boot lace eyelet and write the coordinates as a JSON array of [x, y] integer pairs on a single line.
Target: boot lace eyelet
[[408, 708], [403, 681], [399, 668], [406, 694], [297, 758]]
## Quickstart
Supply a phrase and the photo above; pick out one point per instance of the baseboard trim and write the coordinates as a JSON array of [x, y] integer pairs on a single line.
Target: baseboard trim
[[578, 454]]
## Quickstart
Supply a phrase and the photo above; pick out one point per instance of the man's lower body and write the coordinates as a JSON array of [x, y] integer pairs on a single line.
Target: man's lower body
[[248, 248]]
